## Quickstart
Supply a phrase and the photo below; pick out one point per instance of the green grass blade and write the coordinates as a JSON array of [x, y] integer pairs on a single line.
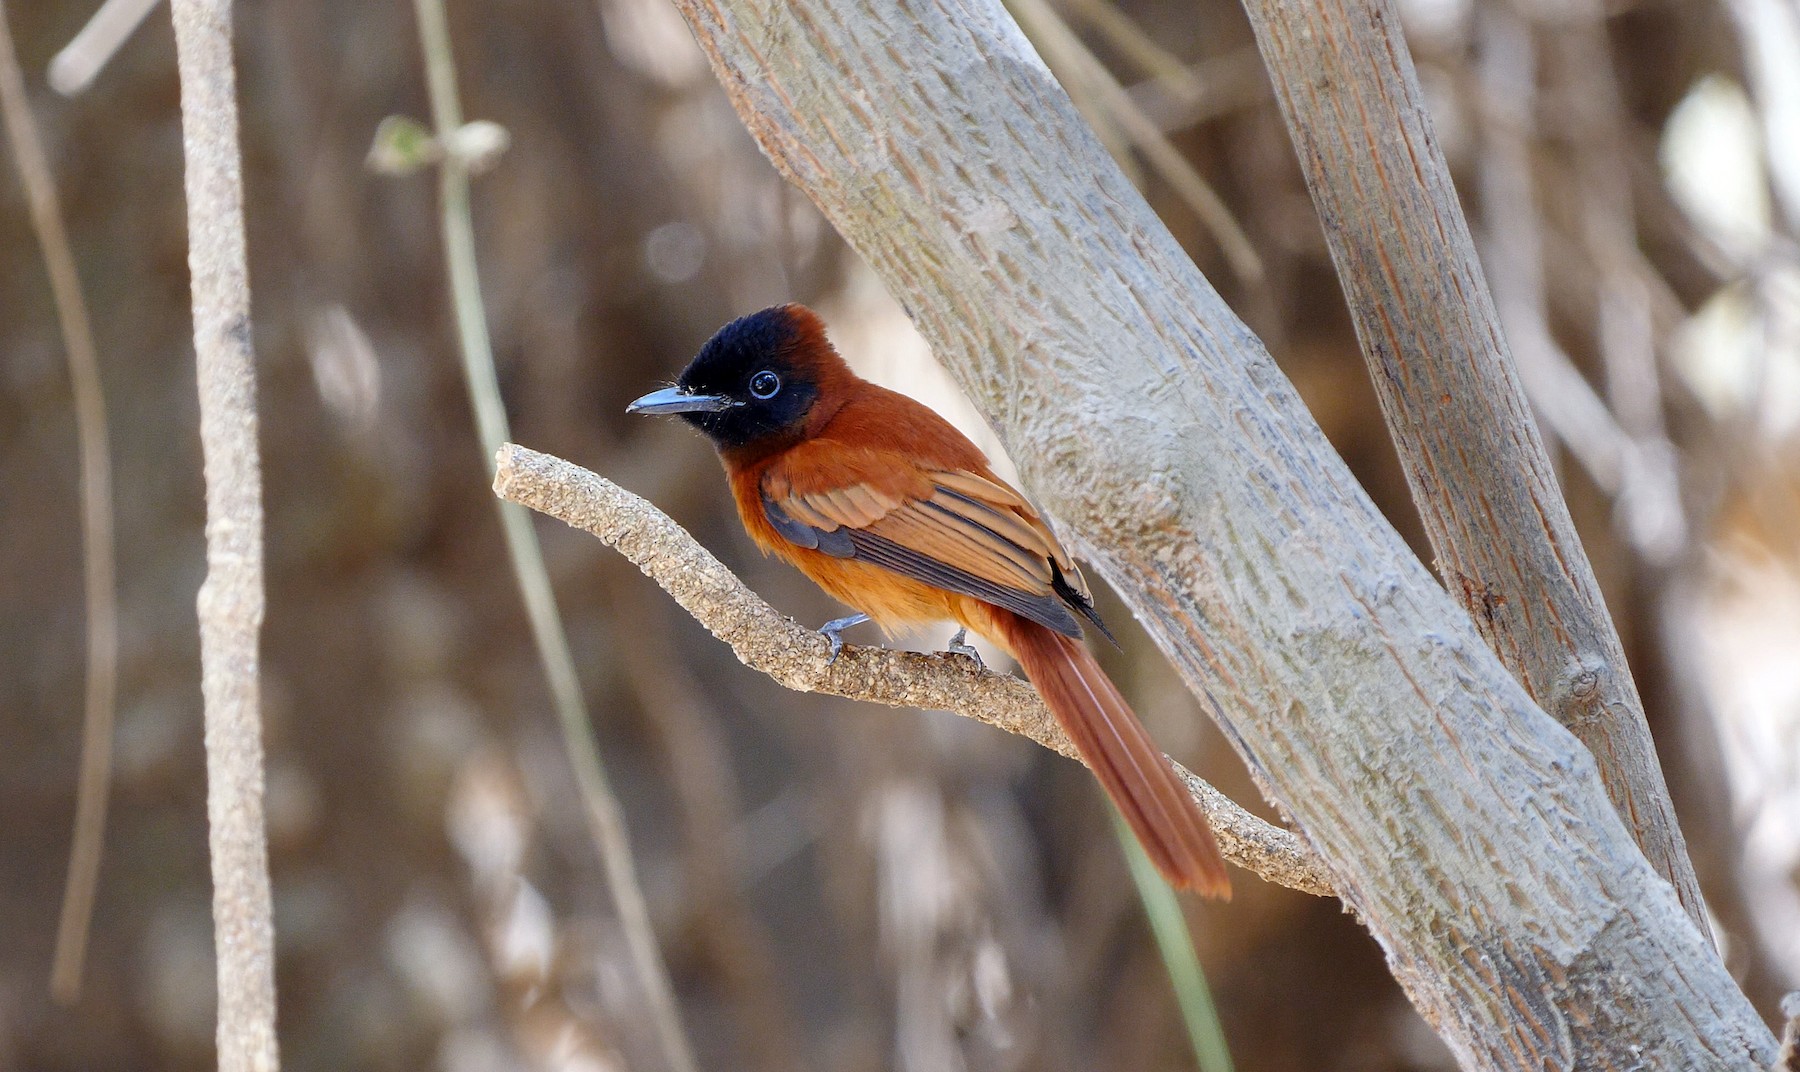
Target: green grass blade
[[1170, 929]]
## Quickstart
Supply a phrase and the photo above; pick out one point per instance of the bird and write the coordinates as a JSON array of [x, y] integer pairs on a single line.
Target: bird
[[898, 515]]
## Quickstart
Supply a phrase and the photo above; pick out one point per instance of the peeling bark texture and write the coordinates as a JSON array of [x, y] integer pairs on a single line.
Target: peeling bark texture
[[1468, 829], [231, 598], [764, 639], [1505, 543]]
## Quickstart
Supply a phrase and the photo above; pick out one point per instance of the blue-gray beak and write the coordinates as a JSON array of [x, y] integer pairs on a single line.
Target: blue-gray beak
[[675, 400]]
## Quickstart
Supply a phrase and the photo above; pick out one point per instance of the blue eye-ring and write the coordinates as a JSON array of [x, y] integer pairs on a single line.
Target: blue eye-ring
[[764, 384]]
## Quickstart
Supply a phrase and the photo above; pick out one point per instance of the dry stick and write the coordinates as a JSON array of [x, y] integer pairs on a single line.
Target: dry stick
[[96, 526], [1571, 409], [1216, 86], [1086, 84], [1468, 829], [1066, 51], [74, 68], [1186, 93], [1637, 470], [1135, 44], [231, 598], [606, 819], [1625, 320], [764, 639], [1505, 542], [1769, 32]]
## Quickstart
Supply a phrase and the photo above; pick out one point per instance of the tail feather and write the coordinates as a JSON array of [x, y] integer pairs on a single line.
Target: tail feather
[[1133, 771]]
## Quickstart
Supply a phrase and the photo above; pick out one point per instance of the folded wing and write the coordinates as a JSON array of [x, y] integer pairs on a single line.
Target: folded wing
[[951, 528]]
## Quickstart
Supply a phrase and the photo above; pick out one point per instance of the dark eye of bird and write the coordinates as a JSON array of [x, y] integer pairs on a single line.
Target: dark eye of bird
[[764, 384]]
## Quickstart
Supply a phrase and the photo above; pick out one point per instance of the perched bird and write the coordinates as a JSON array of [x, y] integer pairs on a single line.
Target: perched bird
[[896, 514]]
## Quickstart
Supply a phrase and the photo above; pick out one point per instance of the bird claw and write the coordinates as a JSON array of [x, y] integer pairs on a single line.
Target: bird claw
[[958, 644], [831, 630]]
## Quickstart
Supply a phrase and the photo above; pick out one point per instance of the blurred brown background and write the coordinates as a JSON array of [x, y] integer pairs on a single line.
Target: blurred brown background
[[836, 887]]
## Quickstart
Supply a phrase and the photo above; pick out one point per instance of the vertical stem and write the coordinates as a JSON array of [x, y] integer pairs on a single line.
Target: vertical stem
[[231, 598], [1163, 909], [96, 526], [605, 816]]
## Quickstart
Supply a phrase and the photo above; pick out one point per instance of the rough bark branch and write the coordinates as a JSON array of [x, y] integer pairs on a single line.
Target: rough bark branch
[[1451, 394], [231, 598], [1469, 830], [766, 640]]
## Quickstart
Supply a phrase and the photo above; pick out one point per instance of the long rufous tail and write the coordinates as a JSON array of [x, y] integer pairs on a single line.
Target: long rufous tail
[[1133, 771]]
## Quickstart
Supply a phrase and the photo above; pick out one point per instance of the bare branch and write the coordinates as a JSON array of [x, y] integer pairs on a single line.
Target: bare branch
[[764, 639], [74, 68], [1076, 65], [231, 598], [1627, 455], [1452, 396]]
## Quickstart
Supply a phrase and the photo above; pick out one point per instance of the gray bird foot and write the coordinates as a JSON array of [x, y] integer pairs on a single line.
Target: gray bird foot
[[831, 630], [958, 644]]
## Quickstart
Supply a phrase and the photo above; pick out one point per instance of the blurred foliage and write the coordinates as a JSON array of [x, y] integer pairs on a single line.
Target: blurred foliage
[[835, 887]]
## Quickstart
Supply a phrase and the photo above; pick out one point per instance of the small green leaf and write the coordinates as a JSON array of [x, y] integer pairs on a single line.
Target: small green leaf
[[402, 146]]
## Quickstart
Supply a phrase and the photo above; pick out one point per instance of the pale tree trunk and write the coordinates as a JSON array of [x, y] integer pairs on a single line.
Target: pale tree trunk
[[1469, 831]]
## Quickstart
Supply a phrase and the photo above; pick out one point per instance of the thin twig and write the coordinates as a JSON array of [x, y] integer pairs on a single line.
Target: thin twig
[[1770, 33], [1085, 82], [231, 598], [1636, 467], [1650, 500], [74, 68], [605, 816], [1136, 45], [96, 525], [1218, 86], [1066, 52], [796, 657]]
